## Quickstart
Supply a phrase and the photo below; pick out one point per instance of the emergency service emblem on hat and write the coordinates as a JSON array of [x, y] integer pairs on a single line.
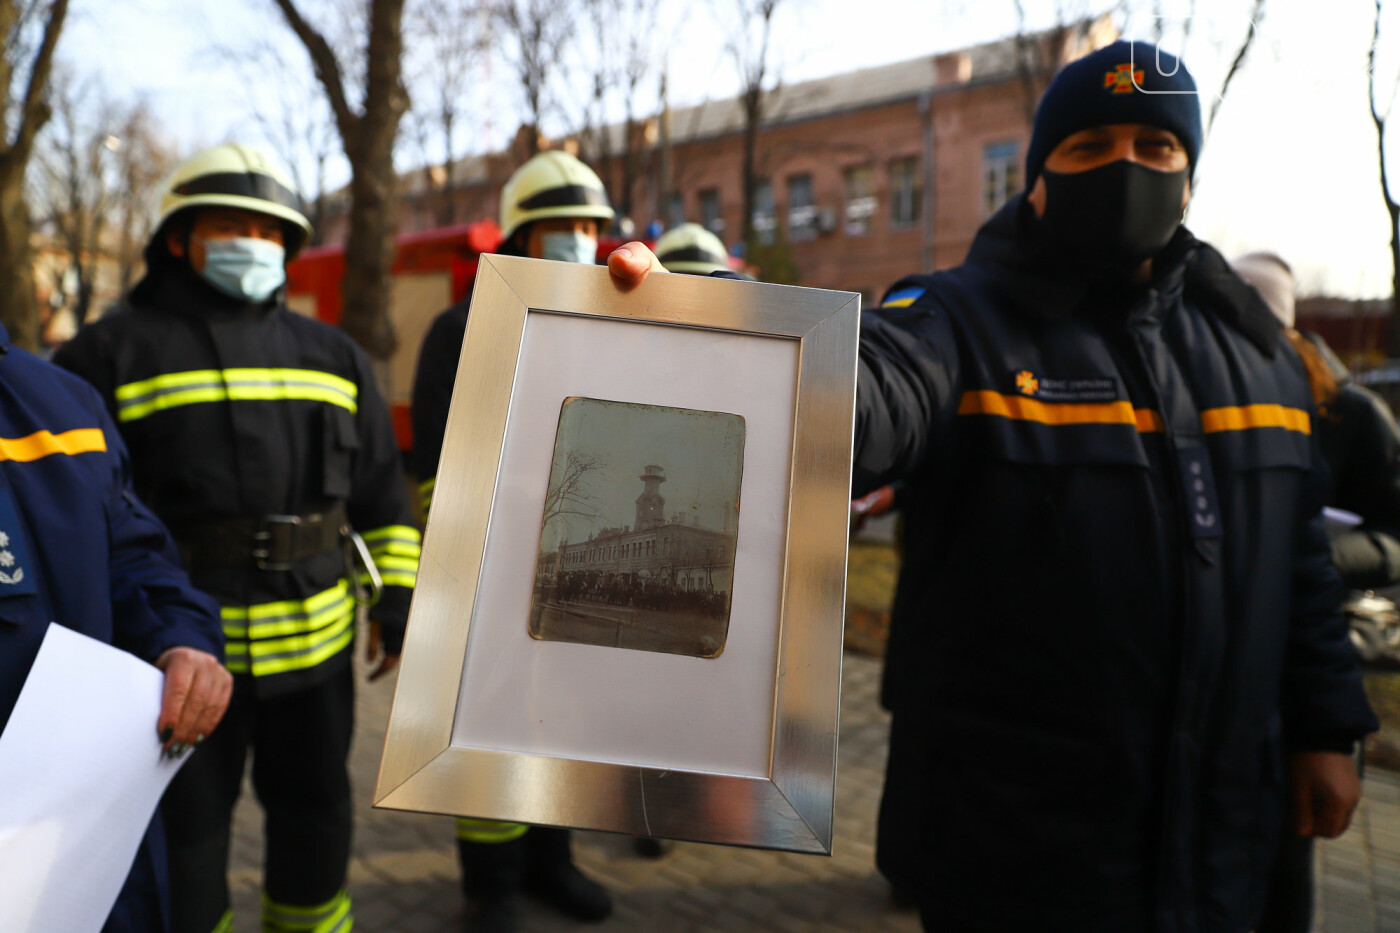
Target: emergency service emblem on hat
[[1124, 79]]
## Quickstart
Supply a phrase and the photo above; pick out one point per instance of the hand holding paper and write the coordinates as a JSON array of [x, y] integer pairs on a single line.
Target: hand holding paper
[[83, 772]]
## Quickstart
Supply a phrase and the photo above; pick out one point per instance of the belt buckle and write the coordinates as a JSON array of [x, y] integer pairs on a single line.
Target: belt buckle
[[275, 530]]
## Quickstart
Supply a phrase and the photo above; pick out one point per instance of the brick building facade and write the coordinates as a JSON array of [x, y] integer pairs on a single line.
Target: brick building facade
[[866, 176]]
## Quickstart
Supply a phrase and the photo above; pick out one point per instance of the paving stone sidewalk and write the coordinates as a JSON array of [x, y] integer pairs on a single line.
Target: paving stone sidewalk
[[404, 877]]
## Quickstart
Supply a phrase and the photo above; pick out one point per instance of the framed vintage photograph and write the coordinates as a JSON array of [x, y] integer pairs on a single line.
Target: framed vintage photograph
[[629, 606]]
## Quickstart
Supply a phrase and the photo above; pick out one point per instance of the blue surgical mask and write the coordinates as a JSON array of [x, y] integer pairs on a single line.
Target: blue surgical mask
[[571, 247], [244, 267]]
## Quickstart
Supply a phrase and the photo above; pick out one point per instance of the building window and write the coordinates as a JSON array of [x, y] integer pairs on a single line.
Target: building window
[[861, 201], [709, 210], [1001, 174], [765, 215], [675, 209], [802, 211], [906, 192]]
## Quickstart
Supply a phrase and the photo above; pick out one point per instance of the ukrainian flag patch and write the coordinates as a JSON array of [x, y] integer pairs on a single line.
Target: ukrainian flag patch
[[903, 298]]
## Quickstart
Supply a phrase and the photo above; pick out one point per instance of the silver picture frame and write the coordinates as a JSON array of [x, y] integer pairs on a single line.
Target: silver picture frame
[[790, 806]]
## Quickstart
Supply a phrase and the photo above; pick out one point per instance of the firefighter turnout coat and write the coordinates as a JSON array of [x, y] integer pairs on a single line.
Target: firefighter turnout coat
[[79, 550], [249, 412], [1125, 609]]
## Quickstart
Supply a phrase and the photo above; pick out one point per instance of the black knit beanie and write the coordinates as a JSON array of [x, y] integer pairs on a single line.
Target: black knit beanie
[[1126, 82]]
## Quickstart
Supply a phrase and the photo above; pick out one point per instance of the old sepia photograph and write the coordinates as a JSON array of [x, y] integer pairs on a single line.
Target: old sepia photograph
[[639, 529]]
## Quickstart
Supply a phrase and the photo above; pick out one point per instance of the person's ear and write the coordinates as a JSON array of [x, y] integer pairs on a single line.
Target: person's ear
[[175, 243]]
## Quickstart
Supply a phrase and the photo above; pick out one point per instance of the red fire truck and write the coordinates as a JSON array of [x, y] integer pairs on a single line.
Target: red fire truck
[[432, 269]]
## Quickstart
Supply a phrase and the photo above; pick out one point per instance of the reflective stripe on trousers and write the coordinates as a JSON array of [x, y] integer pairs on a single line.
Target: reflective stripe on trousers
[[289, 635], [330, 917], [488, 831]]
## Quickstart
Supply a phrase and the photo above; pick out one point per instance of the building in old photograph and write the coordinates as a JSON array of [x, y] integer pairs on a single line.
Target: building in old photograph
[[671, 552]]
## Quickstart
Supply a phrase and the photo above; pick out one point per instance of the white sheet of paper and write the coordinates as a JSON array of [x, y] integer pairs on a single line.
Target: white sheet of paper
[[80, 776]]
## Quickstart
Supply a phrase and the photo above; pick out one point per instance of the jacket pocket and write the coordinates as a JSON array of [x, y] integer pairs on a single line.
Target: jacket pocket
[[339, 443]]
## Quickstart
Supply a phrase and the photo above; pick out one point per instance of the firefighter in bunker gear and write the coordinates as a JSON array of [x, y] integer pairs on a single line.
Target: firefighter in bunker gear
[[260, 437], [551, 208]]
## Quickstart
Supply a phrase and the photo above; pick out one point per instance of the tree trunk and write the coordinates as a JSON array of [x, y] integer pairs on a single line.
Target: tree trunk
[[751, 118], [1394, 212], [19, 305], [368, 138], [369, 251]]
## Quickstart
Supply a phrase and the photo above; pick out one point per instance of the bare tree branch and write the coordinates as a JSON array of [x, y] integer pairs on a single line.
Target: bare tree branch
[[324, 60], [539, 30], [1255, 15], [34, 109], [1380, 120]]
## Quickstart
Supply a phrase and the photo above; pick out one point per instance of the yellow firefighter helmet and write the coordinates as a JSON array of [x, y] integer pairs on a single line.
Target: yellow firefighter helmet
[[691, 248], [234, 175], [553, 184]]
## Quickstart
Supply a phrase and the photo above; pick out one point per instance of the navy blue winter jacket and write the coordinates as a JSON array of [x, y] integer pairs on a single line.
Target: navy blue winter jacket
[[1125, 609]]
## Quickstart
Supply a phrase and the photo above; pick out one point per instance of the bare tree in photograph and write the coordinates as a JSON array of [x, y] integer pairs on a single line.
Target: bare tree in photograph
[[1380, 116], [367, 133], [447, 40], [538, 32], [751, 48], [31, 29], [569, 500]]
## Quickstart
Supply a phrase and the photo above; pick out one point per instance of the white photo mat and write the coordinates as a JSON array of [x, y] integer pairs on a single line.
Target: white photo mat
[[618, 705]]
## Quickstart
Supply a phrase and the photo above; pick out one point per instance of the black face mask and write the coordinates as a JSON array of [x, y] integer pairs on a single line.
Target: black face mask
[[1111, 217]]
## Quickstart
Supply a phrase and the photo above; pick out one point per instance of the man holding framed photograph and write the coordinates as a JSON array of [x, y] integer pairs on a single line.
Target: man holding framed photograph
[[1102, 412]]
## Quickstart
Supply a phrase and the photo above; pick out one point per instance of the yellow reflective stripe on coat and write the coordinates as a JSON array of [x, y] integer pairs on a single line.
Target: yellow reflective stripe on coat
[[289, 635], [225, 924], [395, 550], [330, 917], [488, 831], [138, 399], [1020, 408], [42, 444], [1247, 417], [425, 493]]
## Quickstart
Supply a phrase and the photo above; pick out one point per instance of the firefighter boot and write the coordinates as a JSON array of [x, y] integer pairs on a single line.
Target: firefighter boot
[[550, 875], [493, 875]]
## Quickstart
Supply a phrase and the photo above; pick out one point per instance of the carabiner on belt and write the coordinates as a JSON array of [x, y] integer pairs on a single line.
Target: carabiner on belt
[[376, 582]]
